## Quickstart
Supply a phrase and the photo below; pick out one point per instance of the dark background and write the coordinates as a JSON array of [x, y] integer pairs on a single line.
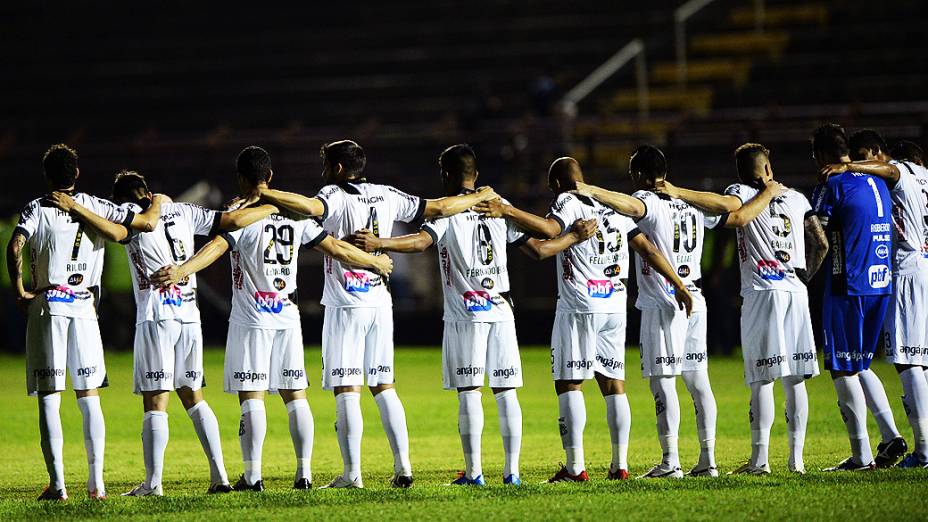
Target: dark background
[[175, 90]]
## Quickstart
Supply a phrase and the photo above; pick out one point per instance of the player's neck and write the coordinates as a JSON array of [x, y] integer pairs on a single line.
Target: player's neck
[[468, 186]]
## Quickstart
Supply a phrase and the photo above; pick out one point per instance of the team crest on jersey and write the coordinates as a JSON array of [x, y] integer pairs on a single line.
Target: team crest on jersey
[[170, 296], [599, 288], [280, 284], [487, 283], [683, 271], [75, 279], [269, 302], [477, 301], [882, 251], [770, 270], [357, 282], [782, 256], [612, 271], [59, 294]]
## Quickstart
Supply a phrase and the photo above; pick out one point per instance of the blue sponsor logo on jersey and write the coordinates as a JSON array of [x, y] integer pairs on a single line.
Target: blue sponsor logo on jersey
[[879, 276], [59, 294], [171, 296], [882, 251], [770, 270], [269, 302], [478, 301], [599, 288], [357, 282]]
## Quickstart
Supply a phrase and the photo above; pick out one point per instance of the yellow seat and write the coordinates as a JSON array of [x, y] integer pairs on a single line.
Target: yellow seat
[[734, 70], [781, 15], [771, 43]]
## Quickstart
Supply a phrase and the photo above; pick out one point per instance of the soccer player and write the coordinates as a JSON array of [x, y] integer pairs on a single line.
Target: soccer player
[[168, 340], [357, 332], [62, 333], [672, 344], [905, 339], [856, 210], [264, 350], [777, 258], [588, 338], [480, 334]]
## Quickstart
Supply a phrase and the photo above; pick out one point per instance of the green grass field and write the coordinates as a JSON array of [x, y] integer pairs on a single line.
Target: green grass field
[[436, 456]]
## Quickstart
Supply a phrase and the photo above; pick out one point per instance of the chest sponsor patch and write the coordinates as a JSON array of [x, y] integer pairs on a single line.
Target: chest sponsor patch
[[770, 270], [269, 302], [599, 288], [357, 282], [170, 296], [59, 294], [879, 276], [477, 301], [882, 251]]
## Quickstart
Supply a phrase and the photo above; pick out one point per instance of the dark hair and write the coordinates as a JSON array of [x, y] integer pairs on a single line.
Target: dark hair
[[346, 153], [129, 187], [867, 139], [60, 165], [649, 162], [458, 161], [908, 151], [830, 139], [746, 157], [254, 164]]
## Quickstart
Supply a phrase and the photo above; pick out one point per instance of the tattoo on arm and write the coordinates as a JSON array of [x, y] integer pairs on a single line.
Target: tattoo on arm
[[816, 246]]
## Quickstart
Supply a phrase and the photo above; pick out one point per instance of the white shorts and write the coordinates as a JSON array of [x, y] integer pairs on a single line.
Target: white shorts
[[776, 336], [905, 331], [584, 344], [357, 342], [168, 355], [471, 350], [671, 343], [55, 344], [259, 359]]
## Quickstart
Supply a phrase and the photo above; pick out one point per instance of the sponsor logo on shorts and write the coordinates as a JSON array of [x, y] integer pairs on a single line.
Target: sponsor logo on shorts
[[506, 373], [683, 271], [912, 350], [159, 375], [193, 374], [59, 294], [75, 279], [599, 288], [279, 283], [610, 363], [380, 369], [612, 271], [357, 282], [769, 362], [269, 302], [346, 372], [487, 283], [579, 365], [879, 276], [882, 251], [770, 270], [477, 301], [45, 373], [853, 356], [670, 360], [292, 373], [804, 356], [86, 371], [469, 370], [249, 376], [170, 296], [698, 357]]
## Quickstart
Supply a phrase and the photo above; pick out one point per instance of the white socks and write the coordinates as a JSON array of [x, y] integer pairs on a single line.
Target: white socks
[[154, 441], [251, 432], [207, 428], [470, 426], [349, 425], [619, 418], [94, 441], [854, 410], [301, 432], [393, 418], [52, 437], [915, 388], [667, 408], [697, 382], [878, 404], [572, 421], [797, 415], [762, 412], [510, 427]]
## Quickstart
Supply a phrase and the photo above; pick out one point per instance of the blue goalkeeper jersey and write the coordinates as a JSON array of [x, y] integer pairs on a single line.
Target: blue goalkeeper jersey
[[856, 211]]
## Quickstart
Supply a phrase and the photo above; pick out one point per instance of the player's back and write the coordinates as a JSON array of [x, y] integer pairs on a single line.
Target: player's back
[[473, 260], [856, 209], [771, 247], [910, 215], [351, 207], [66, 256], [592, 274], [264, 257], [171, 242]]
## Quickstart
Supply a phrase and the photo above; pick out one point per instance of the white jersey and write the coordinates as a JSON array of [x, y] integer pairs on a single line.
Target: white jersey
[[677, 229], [67, 257], [350, 207], [772, 246], [591, 275], [264, 259], [472, 259], [910, 215], [170, 243]]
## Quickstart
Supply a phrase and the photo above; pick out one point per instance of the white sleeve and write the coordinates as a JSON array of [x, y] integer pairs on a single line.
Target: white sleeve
[[205, 222], [29, 219], [436, 228], [737, 190], [514, 235], [906, 179], [110, 211], [651, 202], [333, 200], [564, 211], [712, 220], [232, 237], [313, 234], [408, 208]]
